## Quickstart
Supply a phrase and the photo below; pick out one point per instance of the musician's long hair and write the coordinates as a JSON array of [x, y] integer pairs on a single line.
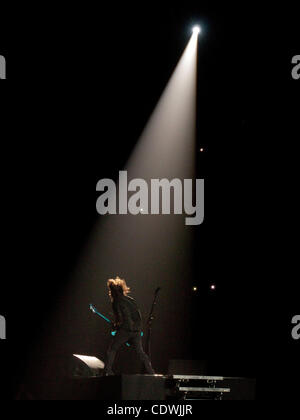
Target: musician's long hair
[[117, 287]]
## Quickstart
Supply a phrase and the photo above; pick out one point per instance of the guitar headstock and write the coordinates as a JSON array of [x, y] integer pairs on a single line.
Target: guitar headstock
[[93, 309]]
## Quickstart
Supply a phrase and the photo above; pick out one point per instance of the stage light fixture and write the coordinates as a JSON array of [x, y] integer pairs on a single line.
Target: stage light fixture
[[196, 30], [86, 366]]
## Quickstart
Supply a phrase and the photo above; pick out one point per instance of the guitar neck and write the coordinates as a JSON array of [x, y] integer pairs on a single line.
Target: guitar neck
[[103, 317]]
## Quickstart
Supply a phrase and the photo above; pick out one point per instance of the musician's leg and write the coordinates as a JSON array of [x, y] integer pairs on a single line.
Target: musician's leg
[[137, 344], [120, 338]]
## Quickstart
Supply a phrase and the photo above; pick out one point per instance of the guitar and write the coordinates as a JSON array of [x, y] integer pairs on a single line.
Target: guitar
[[113, 333]]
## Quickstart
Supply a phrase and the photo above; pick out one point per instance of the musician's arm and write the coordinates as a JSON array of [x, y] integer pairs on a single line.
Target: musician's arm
[[117, 315]]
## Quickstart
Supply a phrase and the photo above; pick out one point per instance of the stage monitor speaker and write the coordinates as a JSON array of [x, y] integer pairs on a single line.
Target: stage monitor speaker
[[121, 387], [86, 366]]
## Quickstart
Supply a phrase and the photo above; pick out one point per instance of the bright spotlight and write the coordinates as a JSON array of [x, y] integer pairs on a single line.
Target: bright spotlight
[[196, 30]]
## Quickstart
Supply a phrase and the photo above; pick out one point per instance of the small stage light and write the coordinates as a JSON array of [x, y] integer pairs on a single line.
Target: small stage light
[[196, 30], [201, 150], [87, 367], [195, 289], [213, 287]]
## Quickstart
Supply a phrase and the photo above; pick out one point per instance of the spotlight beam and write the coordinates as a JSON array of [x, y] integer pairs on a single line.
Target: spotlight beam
[[143, 249], [166, 146]]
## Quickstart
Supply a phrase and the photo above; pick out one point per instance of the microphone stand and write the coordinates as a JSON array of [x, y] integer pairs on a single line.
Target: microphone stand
[[150, 322]]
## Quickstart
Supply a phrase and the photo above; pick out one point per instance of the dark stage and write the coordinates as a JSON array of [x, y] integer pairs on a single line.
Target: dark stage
[[93, 91]]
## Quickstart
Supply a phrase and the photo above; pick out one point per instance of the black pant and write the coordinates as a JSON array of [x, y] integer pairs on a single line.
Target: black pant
[[135, 340]]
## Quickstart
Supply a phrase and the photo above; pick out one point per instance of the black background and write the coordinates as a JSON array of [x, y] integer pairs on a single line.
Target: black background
[[81, 84]]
